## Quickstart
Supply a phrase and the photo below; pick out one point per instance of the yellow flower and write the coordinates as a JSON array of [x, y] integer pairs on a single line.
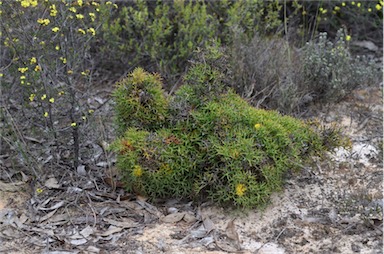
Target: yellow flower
[[348, 38], [324, 11], [33, 60], [108, 3], [137, 171], [23, 70], [46, 114], [337, 8], [1, 75], [22, 77], [115, 5], [52, 100], [91, 111], [37, 68], [55, 29], [69, 72], [91, 30], [57, 47], [63, 59], [369, 9], [95, 4], [32, 97], [378, 7], [53, 12], [38, 190], [358, 5], [343, 4], [85, 73], [353, 3], [72, 9], [240, 189], [73, 124], [61, 93], [81, 31], [80, 2], [79, 16], [257, 126], [27, 3], [43, 22], [43, 97], [92, 16], [42, 43]]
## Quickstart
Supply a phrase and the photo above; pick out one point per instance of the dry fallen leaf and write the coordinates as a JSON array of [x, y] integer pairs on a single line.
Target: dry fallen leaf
[[81, 170], [11, 187], [208, 224], [222, 242], [78, 241], [56, 206], [127, 223], [189, 218], [87, 231], [47, 216], [110, 231], [173, 217], [52, 183], [232, 234]]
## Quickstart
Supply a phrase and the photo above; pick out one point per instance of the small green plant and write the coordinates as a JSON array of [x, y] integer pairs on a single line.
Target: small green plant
[[219, 148], [332, 71], [140, 101]]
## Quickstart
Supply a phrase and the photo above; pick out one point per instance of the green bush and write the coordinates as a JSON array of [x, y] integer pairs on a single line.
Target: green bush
[[271, 73], [221, 148], [363, 19], [163, 36], [140, 101], [330, 69]]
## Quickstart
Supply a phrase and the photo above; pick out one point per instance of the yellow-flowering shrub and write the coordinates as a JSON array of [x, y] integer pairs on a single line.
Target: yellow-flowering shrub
[[47, 68], [218, 147]]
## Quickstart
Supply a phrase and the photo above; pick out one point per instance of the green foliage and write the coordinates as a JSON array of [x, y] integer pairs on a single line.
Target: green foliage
[[222, 148], [46, 71], [159, 35], [163, 36], [140, 101], [364, 19], [321, 71], [331, 70]]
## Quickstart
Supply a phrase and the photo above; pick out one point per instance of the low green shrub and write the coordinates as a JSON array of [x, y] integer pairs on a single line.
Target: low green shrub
[[140, 101], [271, 73], [220, 148], [330, 70]]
